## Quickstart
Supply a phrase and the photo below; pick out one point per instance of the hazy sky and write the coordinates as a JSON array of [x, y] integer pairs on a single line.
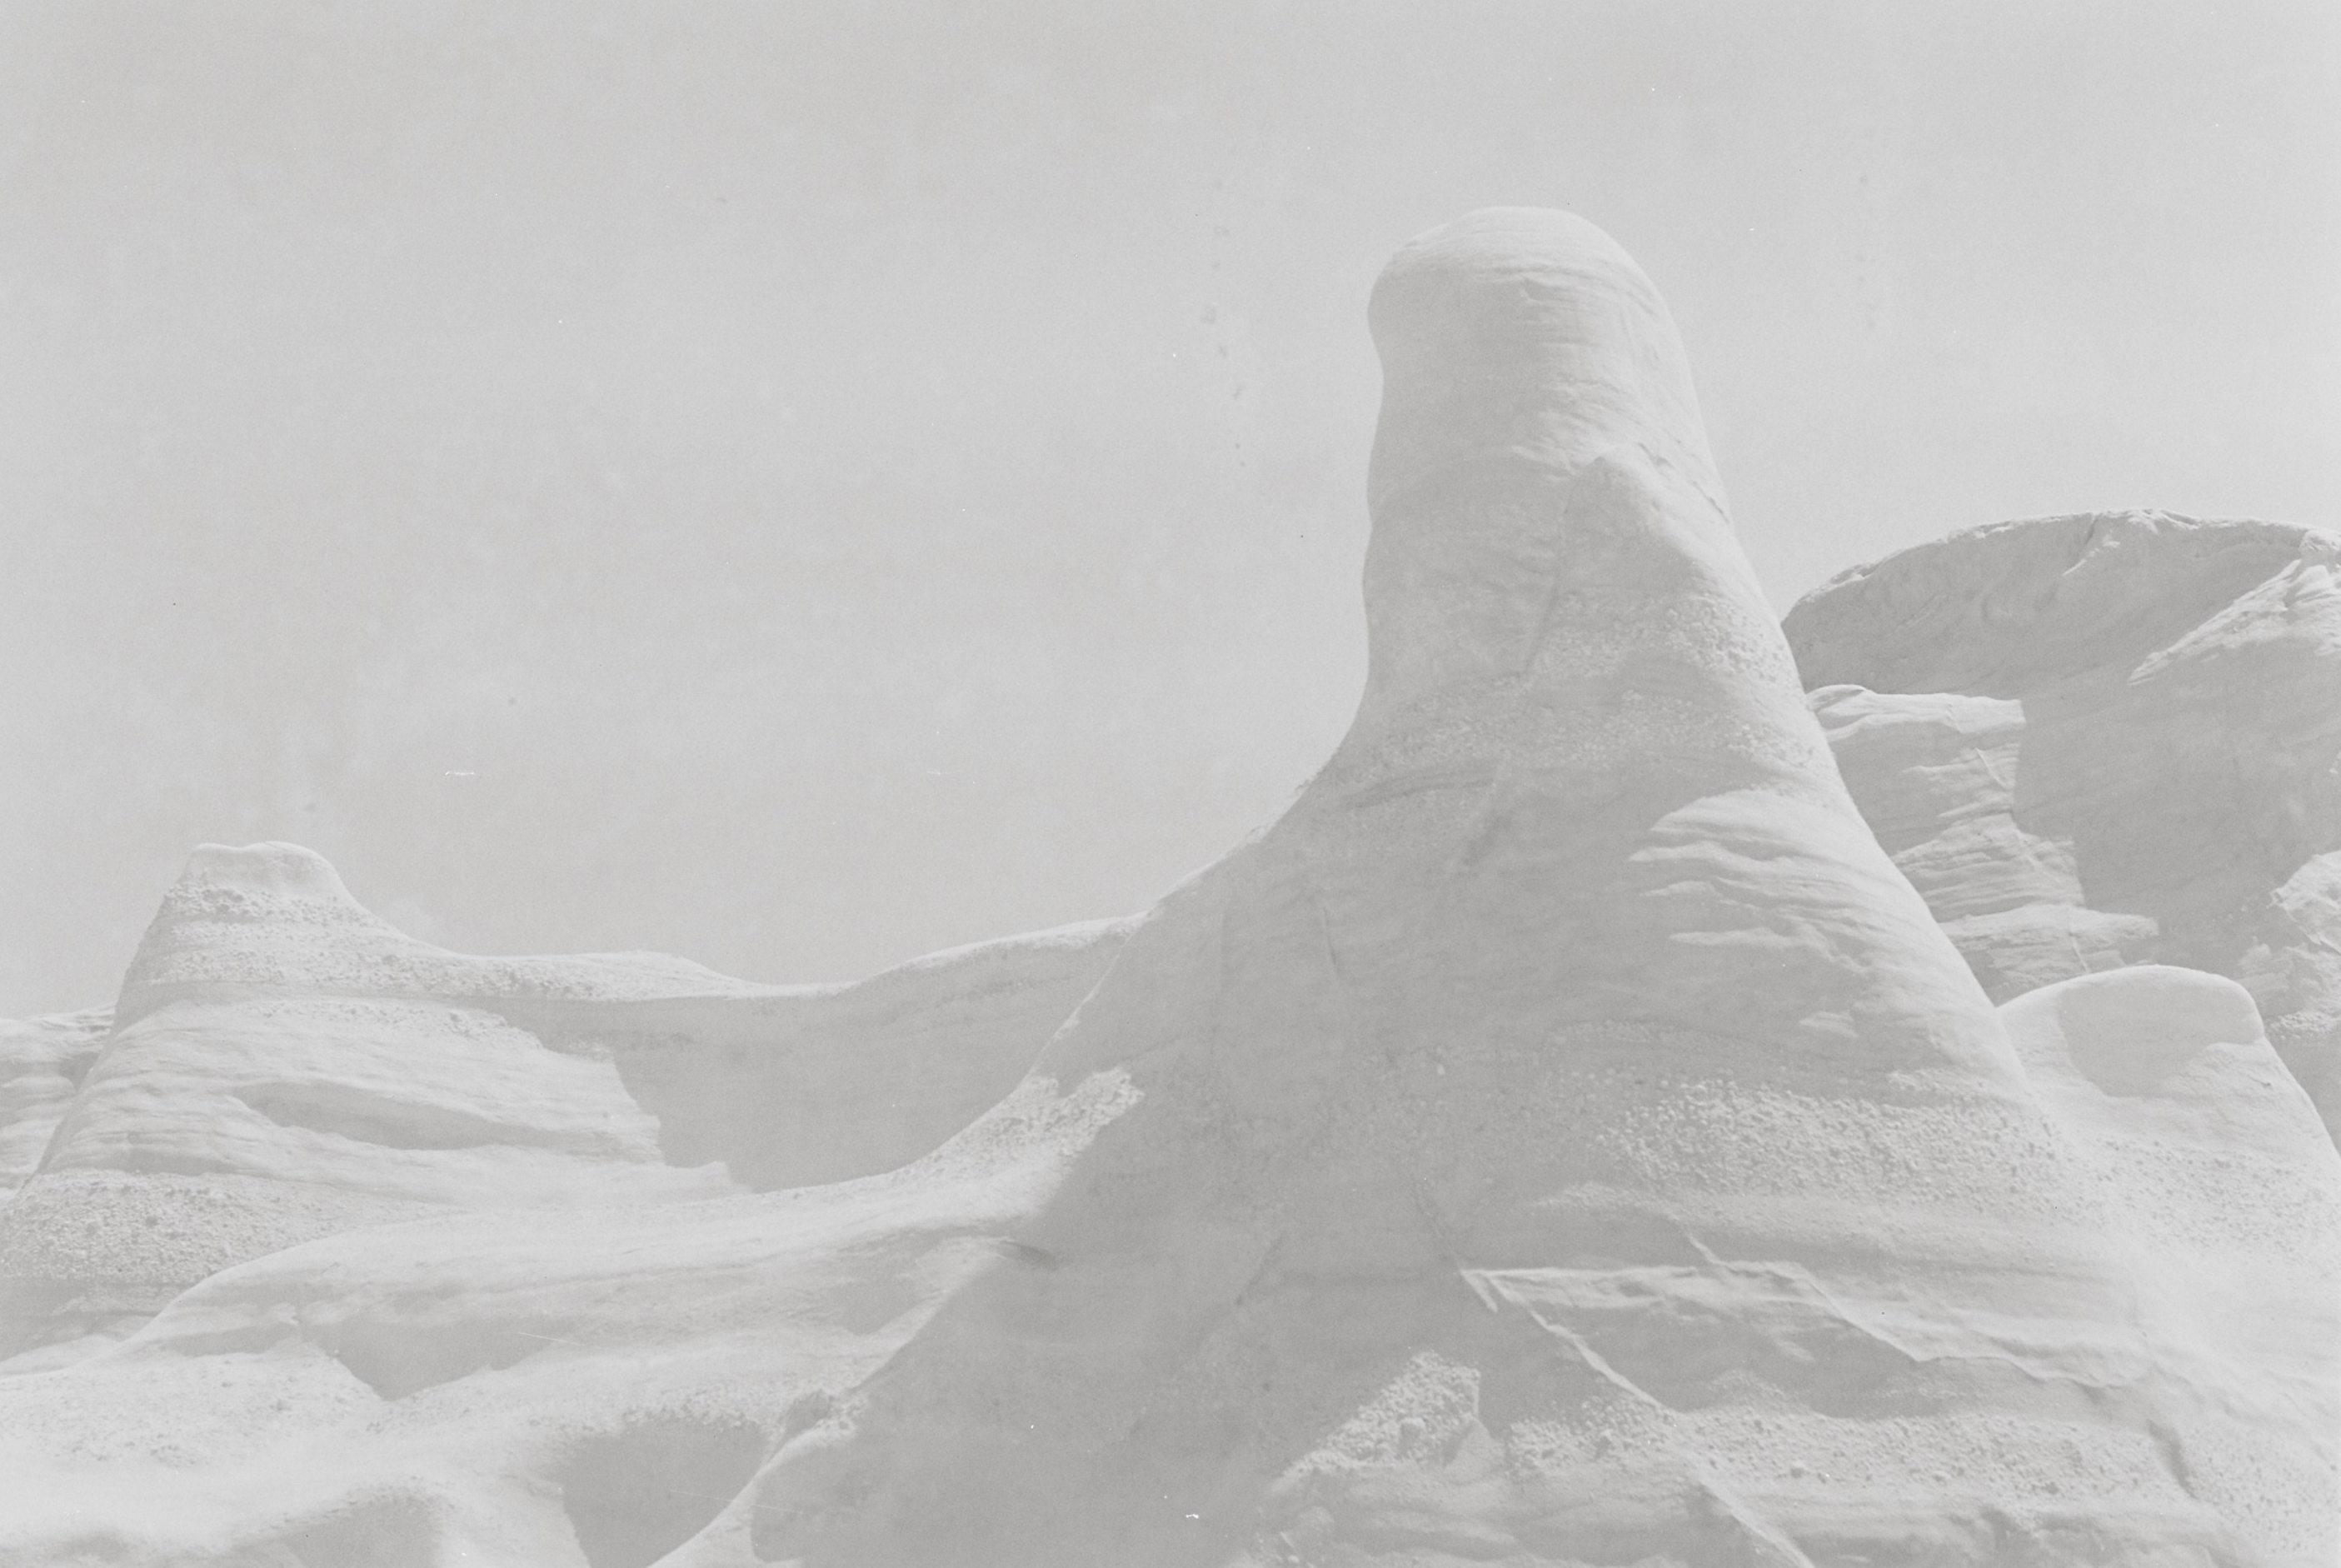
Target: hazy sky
[[799, 485]]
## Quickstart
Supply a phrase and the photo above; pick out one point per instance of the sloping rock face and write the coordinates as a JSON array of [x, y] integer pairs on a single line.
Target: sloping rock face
[[1563, 1138], [2201, 1150], [42, 1064], [271, 1027], [285, 1066], [2106, 739], [791, 1086]]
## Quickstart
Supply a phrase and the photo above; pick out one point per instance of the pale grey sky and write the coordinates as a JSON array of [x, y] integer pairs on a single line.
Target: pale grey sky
[[801, 485]]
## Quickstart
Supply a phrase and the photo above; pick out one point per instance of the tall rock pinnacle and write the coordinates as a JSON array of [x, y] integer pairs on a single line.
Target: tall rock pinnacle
[[1563, 1136], [1519, 348]]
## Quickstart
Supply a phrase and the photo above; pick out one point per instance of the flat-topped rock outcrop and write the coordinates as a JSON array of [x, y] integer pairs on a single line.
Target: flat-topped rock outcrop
[[2106, 739]]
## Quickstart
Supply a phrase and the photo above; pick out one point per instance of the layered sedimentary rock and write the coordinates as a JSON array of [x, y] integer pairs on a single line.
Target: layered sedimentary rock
[[42, 1064], [1563, 1137], [284, 1065], [2204, 1155], [2106, 739]]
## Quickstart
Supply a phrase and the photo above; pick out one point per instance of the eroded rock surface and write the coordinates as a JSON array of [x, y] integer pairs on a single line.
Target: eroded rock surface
[[2205, 1157], [285, 1066], [42, 1064], [2106, 739], [1563, 1137]]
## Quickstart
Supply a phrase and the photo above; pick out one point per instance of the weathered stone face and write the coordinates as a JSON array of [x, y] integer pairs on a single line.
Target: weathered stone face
[[2107, 739], [1564, 1136]]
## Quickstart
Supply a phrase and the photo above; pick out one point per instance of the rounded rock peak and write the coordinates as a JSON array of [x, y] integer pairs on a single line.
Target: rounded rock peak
[[1523, 337], [1539, 472], [275, 870]]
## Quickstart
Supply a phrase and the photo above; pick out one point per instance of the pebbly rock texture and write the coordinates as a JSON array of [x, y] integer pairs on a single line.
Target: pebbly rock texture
[[1564, 1137], [284, 1065], [2106, 739]]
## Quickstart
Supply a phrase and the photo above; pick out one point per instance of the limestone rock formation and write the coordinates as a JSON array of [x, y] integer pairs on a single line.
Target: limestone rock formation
[[1563, 1137], [284, 1065], [2106, 739], [42, 1064], [2204, 1155]]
